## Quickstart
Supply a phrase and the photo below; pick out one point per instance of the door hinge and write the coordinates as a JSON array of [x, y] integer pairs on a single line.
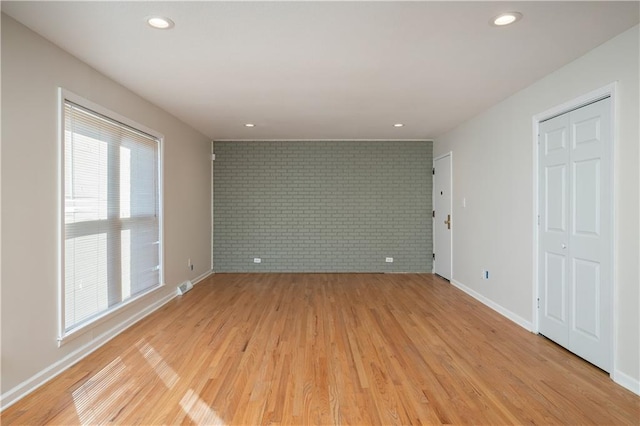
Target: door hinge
[[434, 256], [433, 213], [213, 157], [538, 303], [538, 219], [433, 171]]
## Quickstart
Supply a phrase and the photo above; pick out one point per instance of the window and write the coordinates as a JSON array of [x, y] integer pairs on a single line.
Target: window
[[112, 228]]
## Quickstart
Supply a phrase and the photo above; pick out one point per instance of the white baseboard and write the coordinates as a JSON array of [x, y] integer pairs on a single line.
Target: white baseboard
[[202, 277], [618, 376], [626, 381], [18, 392], [527, 325]]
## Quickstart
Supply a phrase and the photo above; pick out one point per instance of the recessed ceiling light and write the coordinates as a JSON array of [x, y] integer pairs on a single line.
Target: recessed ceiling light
[[160, 22], [398, 125], [505, 19], [249, 125]]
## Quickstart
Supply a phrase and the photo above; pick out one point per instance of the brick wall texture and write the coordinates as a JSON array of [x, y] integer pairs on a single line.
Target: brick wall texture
[[322, 206]]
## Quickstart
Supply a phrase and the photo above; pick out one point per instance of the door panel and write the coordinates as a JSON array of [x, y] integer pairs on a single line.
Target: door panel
[[586, 189], [556, 289], [586, 131], [556, 139], [556, 199], [586, 279], [575, 231]]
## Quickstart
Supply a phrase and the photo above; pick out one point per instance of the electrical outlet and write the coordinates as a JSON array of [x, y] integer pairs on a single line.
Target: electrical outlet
[[388, 259], [257, 260]]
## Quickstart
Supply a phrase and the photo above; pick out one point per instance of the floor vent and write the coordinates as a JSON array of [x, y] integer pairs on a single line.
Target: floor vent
[[184, 287]]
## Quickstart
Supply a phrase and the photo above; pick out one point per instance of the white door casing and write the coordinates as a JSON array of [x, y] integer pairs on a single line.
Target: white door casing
[[575, 202], [443, 216]]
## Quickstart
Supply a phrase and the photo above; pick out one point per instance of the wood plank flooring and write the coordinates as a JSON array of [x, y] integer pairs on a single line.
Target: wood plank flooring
[[358, 349]]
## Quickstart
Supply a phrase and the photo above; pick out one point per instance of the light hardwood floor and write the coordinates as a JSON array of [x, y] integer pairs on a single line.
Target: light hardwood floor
[[354, 349]]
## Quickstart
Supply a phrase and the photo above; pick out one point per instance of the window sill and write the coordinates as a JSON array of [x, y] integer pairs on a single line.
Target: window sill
[[66, 337]]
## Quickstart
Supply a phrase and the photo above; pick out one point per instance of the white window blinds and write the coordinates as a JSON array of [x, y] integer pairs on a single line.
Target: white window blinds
[[111, 215]]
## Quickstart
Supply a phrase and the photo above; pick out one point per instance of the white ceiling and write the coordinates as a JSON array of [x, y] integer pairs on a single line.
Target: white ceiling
[[325, 70]]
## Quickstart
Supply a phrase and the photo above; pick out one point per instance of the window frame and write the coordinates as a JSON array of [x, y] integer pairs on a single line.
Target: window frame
[[64, 335]]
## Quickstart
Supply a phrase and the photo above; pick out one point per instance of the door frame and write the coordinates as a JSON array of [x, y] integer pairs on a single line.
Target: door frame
[[433, 204], [593, 96]]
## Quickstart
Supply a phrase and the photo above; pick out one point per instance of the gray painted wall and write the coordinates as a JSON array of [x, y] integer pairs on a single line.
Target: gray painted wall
[[322, 206]]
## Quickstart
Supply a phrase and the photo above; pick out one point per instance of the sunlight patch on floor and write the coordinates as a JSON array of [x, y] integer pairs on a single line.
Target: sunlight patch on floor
[[155, 360], [198, 410], [97, 395]]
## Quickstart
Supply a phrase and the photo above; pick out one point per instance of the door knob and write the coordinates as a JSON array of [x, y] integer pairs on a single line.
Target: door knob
[[448, 221], [564, 246]]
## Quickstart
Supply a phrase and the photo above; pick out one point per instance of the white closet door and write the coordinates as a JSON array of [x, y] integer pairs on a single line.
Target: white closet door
[[575, 234]]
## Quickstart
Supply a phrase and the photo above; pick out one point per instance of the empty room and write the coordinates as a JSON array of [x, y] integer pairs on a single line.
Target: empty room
[[320, 212]]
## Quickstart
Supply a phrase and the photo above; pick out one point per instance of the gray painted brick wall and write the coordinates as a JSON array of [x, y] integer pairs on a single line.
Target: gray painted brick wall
[[322, 206]]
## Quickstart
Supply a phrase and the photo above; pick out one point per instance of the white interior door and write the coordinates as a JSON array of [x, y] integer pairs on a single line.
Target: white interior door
[[575, 231], [442, 220]]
